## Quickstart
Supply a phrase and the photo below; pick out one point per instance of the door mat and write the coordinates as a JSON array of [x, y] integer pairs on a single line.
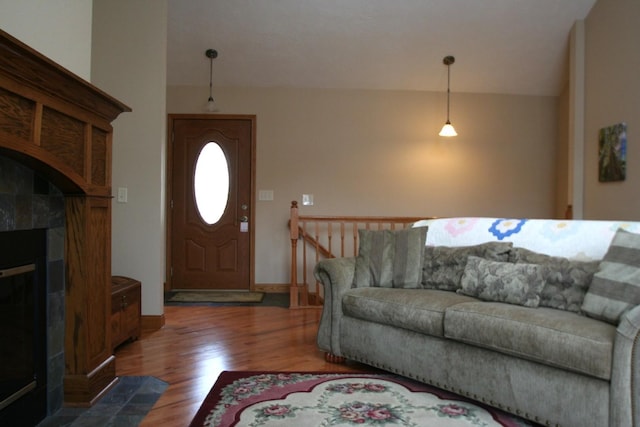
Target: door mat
[[215, 296], [281, 399]]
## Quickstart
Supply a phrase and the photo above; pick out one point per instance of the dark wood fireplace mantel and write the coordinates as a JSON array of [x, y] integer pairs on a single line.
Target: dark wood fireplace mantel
[[60, 126]]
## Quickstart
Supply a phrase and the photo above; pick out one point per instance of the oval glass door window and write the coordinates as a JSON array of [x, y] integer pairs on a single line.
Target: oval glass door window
[[211, 183]]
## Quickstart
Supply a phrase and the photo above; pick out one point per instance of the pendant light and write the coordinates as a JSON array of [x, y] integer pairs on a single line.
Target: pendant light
[[211, 54], [447, 129]]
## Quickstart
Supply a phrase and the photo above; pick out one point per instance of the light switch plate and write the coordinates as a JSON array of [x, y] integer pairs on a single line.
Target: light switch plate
[[122, 195], [307, 199], [266, 195]]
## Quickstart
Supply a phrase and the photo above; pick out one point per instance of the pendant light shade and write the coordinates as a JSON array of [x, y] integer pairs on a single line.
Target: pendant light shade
[[448, 130], [211, 105]]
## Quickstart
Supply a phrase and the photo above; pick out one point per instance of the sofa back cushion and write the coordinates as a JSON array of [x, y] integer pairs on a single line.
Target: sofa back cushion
[[615, 288], [443, 265], [567, 280], [508, 282], [389, 258]]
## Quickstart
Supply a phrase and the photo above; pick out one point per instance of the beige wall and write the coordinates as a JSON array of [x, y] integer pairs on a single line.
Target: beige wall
[[612, 96], [60, 30], [129, 62], [378, 153]]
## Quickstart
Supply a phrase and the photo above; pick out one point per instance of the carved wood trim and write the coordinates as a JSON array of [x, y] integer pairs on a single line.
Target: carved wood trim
[[55, 122]]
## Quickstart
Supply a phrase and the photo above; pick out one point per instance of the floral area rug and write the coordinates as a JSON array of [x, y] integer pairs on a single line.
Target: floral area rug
[[252, 399]]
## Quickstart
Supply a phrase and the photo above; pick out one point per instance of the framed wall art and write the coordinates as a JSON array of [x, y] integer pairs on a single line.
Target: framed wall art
[[612, 155]]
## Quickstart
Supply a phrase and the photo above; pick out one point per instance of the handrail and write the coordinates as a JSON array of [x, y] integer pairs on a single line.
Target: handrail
[[319, 234]]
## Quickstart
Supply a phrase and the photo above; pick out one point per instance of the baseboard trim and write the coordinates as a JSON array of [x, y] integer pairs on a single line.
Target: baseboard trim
[[152, 323], [83, 390]]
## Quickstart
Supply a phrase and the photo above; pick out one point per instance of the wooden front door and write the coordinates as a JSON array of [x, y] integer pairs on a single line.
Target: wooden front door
[[211, 250]]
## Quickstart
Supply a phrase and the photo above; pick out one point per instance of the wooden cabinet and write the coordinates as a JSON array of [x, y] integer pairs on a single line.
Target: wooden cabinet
[[125, 310]]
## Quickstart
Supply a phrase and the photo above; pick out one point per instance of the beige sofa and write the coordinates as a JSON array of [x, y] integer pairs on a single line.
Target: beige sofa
[[479, 324]]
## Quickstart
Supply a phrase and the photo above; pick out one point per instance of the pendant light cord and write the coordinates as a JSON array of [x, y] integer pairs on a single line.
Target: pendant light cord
[[448, 90], [211, 54], [211, 79]]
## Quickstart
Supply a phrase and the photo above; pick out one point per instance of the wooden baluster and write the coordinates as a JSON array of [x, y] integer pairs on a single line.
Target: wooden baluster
[[304, 299], [329, 237], [293, 231], [355, 238], [342, 236], [316, 299]]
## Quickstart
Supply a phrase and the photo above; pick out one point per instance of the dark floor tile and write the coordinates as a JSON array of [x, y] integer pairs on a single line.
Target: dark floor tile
[[92, 421], [125, 405], [143, 398], [58, 421], [104, 409], [126, 421], [135, 409]]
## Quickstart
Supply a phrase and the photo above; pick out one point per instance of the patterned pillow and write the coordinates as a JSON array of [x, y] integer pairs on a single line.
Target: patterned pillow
[[615, 288], [444, 265], [567, 281], [390, 258], [503, 281]]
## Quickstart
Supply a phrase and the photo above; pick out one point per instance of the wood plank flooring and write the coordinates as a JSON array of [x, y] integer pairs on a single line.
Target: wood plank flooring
[[199, 342]]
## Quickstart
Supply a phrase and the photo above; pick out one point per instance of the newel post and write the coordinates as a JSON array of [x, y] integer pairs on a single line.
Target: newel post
[[293, 230]]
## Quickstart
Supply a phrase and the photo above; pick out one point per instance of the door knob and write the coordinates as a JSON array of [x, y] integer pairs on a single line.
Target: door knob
[[244, 218]]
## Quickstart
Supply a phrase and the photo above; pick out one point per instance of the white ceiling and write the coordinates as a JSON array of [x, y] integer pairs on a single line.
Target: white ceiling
[[500, 46]]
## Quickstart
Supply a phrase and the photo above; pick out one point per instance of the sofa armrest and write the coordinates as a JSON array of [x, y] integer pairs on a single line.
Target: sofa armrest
[[625, 372], [336, 275]]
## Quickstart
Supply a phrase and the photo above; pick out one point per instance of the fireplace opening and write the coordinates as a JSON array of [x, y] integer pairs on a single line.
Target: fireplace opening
[[23, 328]]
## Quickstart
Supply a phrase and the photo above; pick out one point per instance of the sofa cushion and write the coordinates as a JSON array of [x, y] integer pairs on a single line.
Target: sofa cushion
[[389, 258], [444, 265], [615, 288], [552, 337], [567, 280], [503, 281], [419, 310]]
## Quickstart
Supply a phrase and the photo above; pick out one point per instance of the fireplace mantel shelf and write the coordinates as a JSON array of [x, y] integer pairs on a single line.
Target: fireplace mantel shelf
[[60, 126]]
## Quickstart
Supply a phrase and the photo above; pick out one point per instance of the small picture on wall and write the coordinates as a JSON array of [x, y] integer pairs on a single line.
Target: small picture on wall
[[612, 159]]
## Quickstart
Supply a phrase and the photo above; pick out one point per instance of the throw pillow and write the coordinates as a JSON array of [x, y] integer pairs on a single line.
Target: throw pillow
[[567, 280], [615, 288], [389, 258], [503, 281], [444, 265]]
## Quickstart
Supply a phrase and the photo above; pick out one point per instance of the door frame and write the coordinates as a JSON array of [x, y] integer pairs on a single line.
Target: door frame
[[168, 284]]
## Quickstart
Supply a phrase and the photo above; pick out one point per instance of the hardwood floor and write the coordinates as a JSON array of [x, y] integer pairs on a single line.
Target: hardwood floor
[[197, 343]]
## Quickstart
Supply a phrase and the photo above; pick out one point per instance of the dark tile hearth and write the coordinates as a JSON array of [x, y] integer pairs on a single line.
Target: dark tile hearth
[[125, 405]]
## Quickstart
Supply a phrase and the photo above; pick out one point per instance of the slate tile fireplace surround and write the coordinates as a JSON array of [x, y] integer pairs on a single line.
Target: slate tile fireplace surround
[[29, 202], [55, 174]]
